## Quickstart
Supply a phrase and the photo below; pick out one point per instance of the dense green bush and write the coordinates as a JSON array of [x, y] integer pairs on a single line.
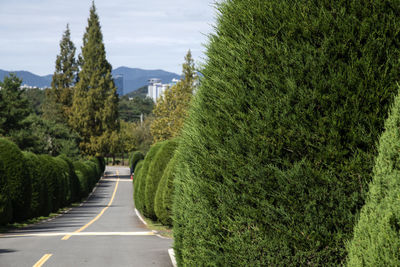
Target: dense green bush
[[50, 174], [73, 180], [33, 167], [17, 179], [140, 185], [64, 180], [134, 158], [279, 145], [84, 177], [376, 240], [136, 175], [5, 201], [154, 174], [164, 195]]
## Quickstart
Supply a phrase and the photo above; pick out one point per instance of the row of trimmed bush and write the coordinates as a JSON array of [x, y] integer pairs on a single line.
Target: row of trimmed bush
[[151, 182], [36, 185]]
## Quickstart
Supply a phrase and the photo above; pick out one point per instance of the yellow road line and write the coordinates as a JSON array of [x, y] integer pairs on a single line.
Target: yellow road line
[[99, 215], [80, 234], [42, 260]]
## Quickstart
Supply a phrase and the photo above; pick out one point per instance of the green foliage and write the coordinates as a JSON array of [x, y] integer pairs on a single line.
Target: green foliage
[[164, 195], [73, 180], [136, 178], [129, 109], [376, 239], [59, 97], [140, 179], [5, 201], [54, 184], [94, 112], [172, 107], [134, 158], [279, 145], [140, 93], [36, 98], [14, 106], [64, 193], [33, 168], [17, 179], [154, 174]]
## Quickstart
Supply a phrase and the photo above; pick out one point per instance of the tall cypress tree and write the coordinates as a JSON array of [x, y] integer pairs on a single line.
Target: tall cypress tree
[[279, 145], [59, 97], [94, 113]]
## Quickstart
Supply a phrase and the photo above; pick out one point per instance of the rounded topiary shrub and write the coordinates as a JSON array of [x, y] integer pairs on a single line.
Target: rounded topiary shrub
[[84, 177], [140, 185], [154, 174], [17, 179], [73, 180], [33, 166], [54, 183], [376, 240], [5, 201], [134, 158], [63, 177], [136, 175], [279, 145], [164, 196]]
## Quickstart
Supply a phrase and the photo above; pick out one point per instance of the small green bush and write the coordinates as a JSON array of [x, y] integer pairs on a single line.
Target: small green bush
[[5, 201], [164, 196], [17, 179], [141, 179], [83, 174], [376, 240], [136, 178], [134, 158], [54, 183], [33, 166], [63, 178], [154, 174]]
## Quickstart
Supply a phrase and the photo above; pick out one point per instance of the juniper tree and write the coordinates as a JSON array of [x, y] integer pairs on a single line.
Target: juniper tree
[[59, 97], [279, 145], [94, 113]]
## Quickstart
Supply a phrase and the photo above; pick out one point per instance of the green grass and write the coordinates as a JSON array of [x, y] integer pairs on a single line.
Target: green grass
[[161, 229]]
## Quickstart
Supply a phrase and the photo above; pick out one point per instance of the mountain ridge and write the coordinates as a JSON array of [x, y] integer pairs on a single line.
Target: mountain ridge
[[134, 78]]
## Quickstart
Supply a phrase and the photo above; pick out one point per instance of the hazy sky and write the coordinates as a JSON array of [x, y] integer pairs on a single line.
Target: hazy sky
[[148, 34]]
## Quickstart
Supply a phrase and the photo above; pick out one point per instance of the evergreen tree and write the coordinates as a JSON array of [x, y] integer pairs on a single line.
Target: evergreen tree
[[279, 145], [14, 106], [94, 113], [171, 109], [59, 97]]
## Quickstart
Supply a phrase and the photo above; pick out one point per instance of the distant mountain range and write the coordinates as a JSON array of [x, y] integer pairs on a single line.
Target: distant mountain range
[[134, 78]]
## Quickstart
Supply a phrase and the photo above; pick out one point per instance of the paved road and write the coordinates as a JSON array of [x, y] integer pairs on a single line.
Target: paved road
[[104, 231]]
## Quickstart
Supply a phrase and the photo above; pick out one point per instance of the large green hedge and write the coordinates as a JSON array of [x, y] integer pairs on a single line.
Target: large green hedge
[[376, 240], [137, 171], [50, 174], [164, 195], [5, 201], [154, 174], [33, 167], [279, 146], [140, 185], [17, 178], [73, 180], [134, 158]]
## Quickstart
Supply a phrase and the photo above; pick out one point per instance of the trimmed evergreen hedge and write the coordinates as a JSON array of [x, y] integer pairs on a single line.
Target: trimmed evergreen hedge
[[376, 240], [134, 158], [136, 178], [164, 195], [17, 178], [43, 182], [33, 167], [5, 201], [140, 185], [279, 146], [154, 174]]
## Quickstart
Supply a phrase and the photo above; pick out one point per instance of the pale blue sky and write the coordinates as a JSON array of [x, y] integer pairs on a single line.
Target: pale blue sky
[[148, 34]]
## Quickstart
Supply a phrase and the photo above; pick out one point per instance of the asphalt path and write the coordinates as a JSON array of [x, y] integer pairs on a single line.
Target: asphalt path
[[103, 231]]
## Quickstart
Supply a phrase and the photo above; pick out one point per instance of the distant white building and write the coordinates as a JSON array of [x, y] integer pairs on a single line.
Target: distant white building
[[156, 88]]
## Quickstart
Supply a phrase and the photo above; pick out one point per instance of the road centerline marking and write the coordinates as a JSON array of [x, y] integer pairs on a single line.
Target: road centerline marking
[[42, 260], [98, 215], [143, 233]]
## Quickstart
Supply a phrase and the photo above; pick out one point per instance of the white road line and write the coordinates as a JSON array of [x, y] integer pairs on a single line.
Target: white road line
[[140, 217], [79, 234], [115, 179], [172, 256]]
